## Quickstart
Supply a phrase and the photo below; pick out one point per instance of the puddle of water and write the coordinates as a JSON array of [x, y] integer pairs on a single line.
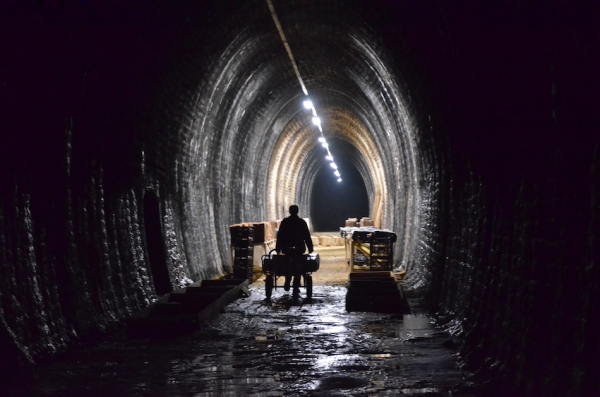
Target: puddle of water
[[414, 326], [333, 330], [233, 387], [382, 355], [270, 335], [337, 361], [342, 382], [420, 391]]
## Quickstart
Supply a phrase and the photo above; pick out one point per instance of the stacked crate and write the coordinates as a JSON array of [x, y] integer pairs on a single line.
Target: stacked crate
[[242, 241], [351, 222], [365, 221], [381, 247]]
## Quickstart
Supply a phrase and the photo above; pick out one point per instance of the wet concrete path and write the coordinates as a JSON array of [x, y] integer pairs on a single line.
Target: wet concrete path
[[269, 348]]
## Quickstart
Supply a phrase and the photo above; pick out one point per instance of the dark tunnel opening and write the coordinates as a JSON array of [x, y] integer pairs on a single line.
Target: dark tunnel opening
[[155, 245], [332, 202]]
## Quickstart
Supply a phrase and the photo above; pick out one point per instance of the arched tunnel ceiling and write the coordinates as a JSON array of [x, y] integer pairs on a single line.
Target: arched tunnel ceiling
[[250, 134]]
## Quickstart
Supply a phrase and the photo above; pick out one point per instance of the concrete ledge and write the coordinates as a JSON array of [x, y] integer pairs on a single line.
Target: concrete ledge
[[186, 310], [375, 291]]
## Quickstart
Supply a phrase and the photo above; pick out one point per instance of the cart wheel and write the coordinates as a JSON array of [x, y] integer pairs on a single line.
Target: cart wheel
[[269, 286], [308, 285]]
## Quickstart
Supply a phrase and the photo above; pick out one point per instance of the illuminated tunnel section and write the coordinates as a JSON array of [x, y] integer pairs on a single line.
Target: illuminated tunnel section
[[248, 148]]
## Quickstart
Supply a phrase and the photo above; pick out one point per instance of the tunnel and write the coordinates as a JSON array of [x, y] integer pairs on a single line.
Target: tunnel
[[350, 197], [133, 136]]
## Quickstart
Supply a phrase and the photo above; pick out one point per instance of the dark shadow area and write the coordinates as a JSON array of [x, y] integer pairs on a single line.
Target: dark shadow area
[[155, 245], [332, 202]]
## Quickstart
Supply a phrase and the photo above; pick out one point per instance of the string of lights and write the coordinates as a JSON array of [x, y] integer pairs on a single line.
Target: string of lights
[[308, 104]]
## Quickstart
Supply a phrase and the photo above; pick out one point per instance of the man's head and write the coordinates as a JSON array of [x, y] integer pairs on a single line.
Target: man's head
[[293, 209]]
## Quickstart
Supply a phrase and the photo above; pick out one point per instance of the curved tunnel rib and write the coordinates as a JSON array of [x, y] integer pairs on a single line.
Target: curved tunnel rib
[[251, 136]]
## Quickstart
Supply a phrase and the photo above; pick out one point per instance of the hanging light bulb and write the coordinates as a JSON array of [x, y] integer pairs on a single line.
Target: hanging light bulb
[[336, 173], [333, 166], [339, 179], [308, 104], [316, 121], [325, 145], [321, 139], [328, 157]]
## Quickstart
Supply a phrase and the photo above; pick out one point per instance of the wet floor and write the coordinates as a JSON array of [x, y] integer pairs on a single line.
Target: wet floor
[[280, 347], [261, 348]]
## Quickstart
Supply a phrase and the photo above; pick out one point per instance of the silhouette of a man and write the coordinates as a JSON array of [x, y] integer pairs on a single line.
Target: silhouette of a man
[[293, 238]]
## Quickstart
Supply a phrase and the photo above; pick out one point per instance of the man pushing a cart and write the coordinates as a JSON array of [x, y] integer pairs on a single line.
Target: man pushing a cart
[[293, 238]]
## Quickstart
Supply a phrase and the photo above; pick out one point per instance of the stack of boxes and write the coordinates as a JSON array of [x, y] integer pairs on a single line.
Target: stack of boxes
[[242, 241], [364, 222]]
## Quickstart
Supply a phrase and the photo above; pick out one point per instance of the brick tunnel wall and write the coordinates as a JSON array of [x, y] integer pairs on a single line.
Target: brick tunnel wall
[[515, 96], [78, 160]]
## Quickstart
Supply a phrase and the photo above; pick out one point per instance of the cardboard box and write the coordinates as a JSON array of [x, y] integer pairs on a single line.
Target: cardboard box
[[325, 241], [366, 222], [337, 241]]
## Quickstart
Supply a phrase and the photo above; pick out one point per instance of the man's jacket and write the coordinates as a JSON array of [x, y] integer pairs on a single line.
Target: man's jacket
[[293, 235]]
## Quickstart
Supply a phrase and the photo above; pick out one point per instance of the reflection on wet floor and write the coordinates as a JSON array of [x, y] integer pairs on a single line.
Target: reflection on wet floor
[[261, 348], [414, 326]]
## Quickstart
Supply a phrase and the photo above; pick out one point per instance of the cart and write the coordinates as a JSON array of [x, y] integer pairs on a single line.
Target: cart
[[275, 266]]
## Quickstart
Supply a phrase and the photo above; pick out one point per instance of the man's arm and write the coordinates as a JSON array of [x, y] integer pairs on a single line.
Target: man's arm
[[308, 239], [280, 238]]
